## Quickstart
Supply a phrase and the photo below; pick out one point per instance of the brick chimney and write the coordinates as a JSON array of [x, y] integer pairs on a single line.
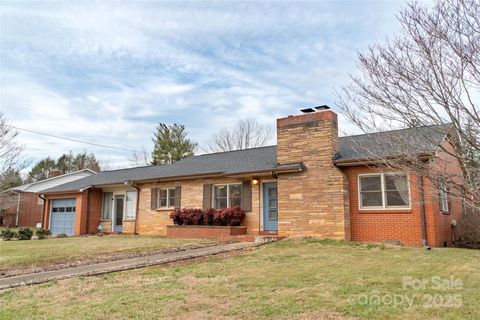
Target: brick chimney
[[55, 173], [313, 202]]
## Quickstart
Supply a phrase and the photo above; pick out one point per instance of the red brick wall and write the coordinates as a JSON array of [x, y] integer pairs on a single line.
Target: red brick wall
[[95, 210], [405, 225], [447, 165], [30, 212], [378, 225]]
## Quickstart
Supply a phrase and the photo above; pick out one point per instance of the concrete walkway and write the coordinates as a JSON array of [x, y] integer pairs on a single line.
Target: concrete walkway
[[120, 265]]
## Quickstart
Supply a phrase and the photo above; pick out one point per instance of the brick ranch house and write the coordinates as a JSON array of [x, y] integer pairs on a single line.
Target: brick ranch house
[[23, 205], [313, 183]]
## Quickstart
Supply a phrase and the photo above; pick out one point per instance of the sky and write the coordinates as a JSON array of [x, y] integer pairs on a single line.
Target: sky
[[108, 72]]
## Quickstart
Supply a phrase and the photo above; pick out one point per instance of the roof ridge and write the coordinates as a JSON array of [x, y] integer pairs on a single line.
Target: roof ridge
[[239, 150], [194, 156], [396, 130]]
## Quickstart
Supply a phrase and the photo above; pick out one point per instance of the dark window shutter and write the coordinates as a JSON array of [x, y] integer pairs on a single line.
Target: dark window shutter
[[178, 197], [247, 196], [154, 199], [207, 196]]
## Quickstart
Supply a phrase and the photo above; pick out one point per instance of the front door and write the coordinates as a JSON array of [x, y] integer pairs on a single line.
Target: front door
[[270, 207], [117, 227]]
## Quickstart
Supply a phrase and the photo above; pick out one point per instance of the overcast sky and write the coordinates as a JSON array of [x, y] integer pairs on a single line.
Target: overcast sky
[[109, 72]]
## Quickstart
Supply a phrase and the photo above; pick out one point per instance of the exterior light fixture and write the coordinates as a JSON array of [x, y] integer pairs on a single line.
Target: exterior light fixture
[[255, 181]]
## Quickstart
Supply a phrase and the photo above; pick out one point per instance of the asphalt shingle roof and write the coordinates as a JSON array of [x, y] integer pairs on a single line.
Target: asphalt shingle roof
[[393, 143], [263, 158]]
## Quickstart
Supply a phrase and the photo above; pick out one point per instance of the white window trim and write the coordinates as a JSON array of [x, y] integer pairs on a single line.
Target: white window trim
[[169, 205], [444, 203], [228, 192], [384, 202], [134, 201]]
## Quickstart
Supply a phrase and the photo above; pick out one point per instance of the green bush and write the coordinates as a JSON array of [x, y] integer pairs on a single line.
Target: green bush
[[25, 234], [8, 234], [62, 235], [43, 233]]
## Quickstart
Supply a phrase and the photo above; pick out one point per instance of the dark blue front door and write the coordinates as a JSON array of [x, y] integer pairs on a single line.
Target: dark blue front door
[[270, 207]]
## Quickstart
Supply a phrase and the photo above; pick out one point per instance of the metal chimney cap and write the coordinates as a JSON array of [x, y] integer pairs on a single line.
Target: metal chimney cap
[[307, 110], [322, 107]]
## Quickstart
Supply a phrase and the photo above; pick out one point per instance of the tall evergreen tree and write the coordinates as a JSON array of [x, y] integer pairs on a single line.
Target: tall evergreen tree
[[10, 178], [171, 144], [42, 170], [67, 162]]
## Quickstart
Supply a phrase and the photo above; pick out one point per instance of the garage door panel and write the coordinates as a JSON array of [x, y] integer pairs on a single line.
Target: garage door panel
[[62, 216]]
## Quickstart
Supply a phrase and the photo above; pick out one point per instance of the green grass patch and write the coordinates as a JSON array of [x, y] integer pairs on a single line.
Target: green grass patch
[[38, 253], [291, 279]]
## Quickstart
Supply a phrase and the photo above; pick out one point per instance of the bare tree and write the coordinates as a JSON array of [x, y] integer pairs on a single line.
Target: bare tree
[[140, 158], [429, 75], [247, 133], [10, 151]]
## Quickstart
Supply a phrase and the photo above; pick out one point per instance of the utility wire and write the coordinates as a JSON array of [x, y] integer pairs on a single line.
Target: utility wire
[[74, 140]]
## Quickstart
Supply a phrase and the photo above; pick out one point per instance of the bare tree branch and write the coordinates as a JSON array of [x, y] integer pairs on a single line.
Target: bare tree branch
[[427, 75], [247, 133]]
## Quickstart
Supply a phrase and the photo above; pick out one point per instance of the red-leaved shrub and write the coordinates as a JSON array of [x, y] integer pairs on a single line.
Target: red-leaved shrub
[[175, 216], [208, 215], [224, 217], [187, 216], [233, 216], [191, 216]]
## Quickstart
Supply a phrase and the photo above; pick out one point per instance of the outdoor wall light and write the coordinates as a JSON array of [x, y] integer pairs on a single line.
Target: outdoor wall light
[[255, 181]]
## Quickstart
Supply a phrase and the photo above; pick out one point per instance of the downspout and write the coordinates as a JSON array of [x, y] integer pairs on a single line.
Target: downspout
[[423, 218], [131, 183], [18, 206], [88, 212], [88, 206], [43, 211]]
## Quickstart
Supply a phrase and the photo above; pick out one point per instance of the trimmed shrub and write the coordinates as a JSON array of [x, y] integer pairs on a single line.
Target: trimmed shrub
[[208, 215], [25, 234], [212, 217], [8, 234], [187, 216], [175, 216], [233, 216], [218, 218], [191, 216], [42, 233]]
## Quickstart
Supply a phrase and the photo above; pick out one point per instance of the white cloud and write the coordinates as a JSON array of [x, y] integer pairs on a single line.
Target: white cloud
[[108, 72]]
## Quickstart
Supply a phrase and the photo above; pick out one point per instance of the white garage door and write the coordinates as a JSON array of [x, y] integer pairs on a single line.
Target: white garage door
[[62, 218]]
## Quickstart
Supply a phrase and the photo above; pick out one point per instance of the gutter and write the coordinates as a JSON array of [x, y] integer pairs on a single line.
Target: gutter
[[131, 183], [367, 161]]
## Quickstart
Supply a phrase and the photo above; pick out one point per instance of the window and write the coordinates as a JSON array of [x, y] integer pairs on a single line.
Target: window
[[384, 190], [130, 203], [166, 198], [443, 195], [107, 205], [227, 195]]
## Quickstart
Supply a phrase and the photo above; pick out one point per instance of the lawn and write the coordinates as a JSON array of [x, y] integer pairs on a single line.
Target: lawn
[[299, 279], [39, 253]]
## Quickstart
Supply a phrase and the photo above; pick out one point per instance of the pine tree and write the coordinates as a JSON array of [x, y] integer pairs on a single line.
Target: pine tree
[[171, 144]]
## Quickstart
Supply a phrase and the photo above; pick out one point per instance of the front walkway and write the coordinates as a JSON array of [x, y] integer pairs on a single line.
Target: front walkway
[[120, 265]]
